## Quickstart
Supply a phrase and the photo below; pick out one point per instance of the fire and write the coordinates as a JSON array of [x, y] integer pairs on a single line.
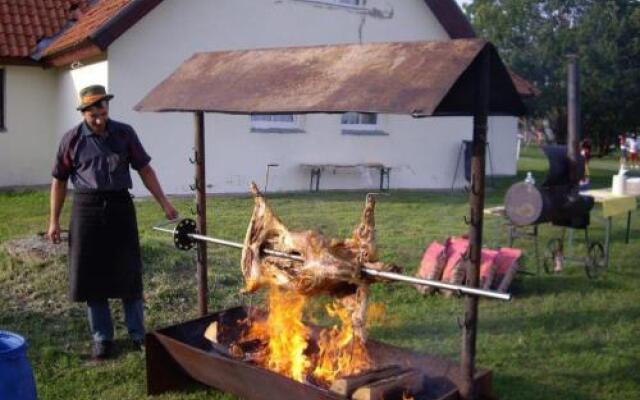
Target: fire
[[287, 341], [285, 334], [341, 352]]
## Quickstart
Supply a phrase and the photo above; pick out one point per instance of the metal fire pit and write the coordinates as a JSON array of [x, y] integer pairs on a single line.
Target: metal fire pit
[[179, 356]]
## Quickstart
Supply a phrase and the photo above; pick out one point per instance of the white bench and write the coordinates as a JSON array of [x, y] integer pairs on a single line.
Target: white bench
[[317, 169]]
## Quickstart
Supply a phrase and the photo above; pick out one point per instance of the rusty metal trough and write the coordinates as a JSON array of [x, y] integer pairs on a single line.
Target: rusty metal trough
[[179, 356]]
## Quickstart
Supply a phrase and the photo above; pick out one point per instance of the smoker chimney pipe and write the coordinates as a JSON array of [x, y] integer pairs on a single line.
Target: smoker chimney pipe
[[573, 116]]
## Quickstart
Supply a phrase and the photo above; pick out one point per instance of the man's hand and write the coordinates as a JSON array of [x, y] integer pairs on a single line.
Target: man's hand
[[58, 193], [53, 233], [169, 211]]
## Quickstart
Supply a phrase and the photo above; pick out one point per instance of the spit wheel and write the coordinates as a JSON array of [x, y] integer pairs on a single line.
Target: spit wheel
[[181, 237]]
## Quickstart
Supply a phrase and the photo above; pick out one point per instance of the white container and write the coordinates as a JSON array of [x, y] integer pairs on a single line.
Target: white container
[[618, 185], [632, 186], [529, 179]]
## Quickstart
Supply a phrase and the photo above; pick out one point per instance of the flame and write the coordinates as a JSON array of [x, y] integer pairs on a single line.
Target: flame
[[340, 352], [285, 334]]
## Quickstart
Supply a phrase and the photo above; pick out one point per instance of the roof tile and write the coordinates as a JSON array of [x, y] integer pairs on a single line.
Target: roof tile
[[24, 22], [92, 20]]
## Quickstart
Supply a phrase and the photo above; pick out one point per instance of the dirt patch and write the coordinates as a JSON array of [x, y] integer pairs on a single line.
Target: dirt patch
[[36, 248]]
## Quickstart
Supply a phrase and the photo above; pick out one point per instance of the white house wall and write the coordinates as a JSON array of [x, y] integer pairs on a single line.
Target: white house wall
[[503, 144], [421, 152], [26, 145]]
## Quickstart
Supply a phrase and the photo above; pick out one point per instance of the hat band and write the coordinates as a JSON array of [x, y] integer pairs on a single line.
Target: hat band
[[93, 98]]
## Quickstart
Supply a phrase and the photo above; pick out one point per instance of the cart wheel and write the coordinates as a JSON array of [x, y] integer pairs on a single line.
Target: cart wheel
[[554, 246], [595, 262]]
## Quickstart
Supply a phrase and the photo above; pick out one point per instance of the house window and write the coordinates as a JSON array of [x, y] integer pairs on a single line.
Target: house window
[[355, 118], [356, 123], [278, 123], [2, 93]]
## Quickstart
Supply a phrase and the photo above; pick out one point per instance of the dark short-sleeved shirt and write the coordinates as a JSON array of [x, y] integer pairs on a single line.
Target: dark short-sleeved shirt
[[100, 162]]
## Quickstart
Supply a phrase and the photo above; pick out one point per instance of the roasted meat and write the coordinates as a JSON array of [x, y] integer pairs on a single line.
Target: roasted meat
[[332, 267]]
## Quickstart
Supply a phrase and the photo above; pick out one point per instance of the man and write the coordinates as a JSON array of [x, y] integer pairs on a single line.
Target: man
[[104, 251], [632, 148], [622, 142]]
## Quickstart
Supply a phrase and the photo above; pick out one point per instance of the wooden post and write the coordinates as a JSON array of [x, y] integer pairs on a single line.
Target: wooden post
[[201, 212], [573, 117], [476, 202]]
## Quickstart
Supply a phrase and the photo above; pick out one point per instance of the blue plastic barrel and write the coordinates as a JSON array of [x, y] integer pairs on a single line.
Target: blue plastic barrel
[[16, 377]]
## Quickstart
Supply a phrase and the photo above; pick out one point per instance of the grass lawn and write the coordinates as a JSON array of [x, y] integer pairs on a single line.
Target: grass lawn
[[562, 337]]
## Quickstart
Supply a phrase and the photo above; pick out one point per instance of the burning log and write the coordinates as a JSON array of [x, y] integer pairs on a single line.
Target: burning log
[[250, 350], [212, 332], [345, 386], [394, 387]]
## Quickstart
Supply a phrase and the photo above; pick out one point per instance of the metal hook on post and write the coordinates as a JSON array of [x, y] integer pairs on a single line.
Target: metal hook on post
[[196, 211], [474, 191], [196, 158], [195, 186]]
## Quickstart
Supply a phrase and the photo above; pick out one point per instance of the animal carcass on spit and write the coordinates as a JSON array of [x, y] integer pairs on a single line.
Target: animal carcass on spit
[[332, 267]]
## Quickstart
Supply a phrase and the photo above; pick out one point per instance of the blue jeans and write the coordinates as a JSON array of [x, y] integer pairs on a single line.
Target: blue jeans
[[101, 324]]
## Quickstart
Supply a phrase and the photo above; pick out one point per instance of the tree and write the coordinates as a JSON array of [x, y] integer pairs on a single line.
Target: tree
[[534, 38]]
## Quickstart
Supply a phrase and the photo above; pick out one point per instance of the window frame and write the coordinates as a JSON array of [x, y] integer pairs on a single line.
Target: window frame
[[360, 127], [270, 126]]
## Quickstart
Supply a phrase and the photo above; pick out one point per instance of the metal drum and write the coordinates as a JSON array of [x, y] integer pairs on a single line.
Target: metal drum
[[524, 204], [557, 201]]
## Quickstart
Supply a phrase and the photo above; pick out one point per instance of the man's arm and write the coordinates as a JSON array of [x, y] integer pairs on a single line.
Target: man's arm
[[150, 180], [58, 194]]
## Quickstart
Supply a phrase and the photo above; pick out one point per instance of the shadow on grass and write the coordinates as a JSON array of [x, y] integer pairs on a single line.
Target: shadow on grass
[[528, 286], [560, 322], [516, 387]]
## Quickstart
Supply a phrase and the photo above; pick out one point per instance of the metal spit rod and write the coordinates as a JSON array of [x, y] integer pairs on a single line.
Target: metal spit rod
[[369, 271]]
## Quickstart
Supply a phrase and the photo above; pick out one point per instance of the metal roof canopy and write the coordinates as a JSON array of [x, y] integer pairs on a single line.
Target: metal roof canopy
[[416, 78], [422, 79]]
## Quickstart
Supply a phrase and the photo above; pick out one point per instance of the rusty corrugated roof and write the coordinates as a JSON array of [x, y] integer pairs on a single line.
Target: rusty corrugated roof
[[24, 22], [525, 88], [397, 78]]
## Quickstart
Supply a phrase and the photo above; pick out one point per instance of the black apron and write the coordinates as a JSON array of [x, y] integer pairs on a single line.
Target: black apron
[[104, 249]]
